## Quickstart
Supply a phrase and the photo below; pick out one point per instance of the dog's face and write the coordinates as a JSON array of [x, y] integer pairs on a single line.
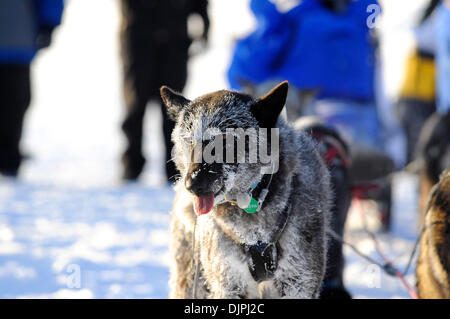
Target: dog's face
[[215, 138]]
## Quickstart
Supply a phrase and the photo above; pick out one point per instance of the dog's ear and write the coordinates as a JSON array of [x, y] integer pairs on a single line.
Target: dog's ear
[[268, 107], [174, 101]]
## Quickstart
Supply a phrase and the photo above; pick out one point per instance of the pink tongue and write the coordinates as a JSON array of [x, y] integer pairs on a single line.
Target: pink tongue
[[203, 204]]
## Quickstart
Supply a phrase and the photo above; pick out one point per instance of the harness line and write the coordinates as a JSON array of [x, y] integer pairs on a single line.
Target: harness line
[[197, 266]]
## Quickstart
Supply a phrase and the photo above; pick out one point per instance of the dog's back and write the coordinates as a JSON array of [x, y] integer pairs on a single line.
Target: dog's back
[[433, 266]]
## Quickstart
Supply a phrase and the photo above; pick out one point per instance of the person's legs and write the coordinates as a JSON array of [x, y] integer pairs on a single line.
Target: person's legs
[[136, 99], [133, 159], [173, 74], [412, 115], [137, 57], [357, 123], [15, 98], [168, 126]]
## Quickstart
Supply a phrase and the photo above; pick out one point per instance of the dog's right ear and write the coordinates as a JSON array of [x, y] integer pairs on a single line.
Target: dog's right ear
[[268, 107], [174, 101]]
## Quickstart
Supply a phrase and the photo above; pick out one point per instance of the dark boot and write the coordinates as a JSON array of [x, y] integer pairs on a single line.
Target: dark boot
[[15, 98], [132, 167], [334, 289], [132, 160]]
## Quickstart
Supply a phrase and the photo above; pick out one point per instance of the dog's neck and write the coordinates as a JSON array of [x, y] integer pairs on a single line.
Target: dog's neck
[[250, 199], [251, 228]]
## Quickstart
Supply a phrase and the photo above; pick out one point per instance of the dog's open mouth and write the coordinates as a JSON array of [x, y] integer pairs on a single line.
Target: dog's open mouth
[[203, 204]]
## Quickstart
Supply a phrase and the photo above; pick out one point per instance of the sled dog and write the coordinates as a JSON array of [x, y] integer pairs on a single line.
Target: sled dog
[[245, 225], [433, 264]]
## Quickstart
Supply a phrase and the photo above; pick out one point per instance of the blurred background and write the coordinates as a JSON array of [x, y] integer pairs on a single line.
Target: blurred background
[[72, 225]]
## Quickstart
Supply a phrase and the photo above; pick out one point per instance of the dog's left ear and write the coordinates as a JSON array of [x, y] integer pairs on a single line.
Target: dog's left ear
[[174, 101], [268, 107]]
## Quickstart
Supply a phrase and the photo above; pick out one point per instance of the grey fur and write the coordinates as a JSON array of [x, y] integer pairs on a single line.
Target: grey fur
[[223, 267]]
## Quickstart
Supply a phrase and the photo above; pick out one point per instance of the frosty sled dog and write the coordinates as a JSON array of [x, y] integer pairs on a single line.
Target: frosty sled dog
[[247, 232]]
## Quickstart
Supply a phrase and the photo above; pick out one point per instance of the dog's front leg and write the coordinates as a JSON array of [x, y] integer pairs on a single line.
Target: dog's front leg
[[300, 272], [225, 268], [182, 268]]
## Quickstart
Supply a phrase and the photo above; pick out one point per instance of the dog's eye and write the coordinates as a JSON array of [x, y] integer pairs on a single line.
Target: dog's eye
[[213, 139]]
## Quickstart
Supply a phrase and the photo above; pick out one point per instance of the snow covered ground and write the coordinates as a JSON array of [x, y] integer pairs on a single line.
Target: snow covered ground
[[70, 229]]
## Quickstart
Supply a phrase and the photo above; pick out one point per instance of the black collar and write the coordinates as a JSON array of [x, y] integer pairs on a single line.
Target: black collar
[[264, 184], [263, 257]]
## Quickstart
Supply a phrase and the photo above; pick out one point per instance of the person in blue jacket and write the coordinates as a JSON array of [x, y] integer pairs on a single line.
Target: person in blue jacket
[[26, 26], [318, 45]]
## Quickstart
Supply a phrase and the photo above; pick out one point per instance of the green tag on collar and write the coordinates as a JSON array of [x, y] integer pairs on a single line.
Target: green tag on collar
[[252, 207]]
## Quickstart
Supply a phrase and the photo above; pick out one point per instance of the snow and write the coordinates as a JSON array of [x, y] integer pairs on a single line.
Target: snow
[[70, 229]]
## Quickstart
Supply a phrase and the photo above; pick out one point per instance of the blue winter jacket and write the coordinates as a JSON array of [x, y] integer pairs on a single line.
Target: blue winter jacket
[[20, 24], [311, 47]]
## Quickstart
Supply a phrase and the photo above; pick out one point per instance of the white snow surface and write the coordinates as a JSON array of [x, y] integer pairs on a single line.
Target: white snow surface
[[70, 229]]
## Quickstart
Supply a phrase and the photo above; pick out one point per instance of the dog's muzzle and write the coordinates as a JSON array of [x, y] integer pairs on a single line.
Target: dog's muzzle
[[204, 183]]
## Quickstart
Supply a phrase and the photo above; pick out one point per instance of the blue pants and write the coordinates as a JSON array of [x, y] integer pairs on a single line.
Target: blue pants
[[358, 123], [443, 58]]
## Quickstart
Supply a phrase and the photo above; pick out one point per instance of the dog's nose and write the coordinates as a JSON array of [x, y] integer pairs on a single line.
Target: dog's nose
[[203, 179], [198, 186]]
